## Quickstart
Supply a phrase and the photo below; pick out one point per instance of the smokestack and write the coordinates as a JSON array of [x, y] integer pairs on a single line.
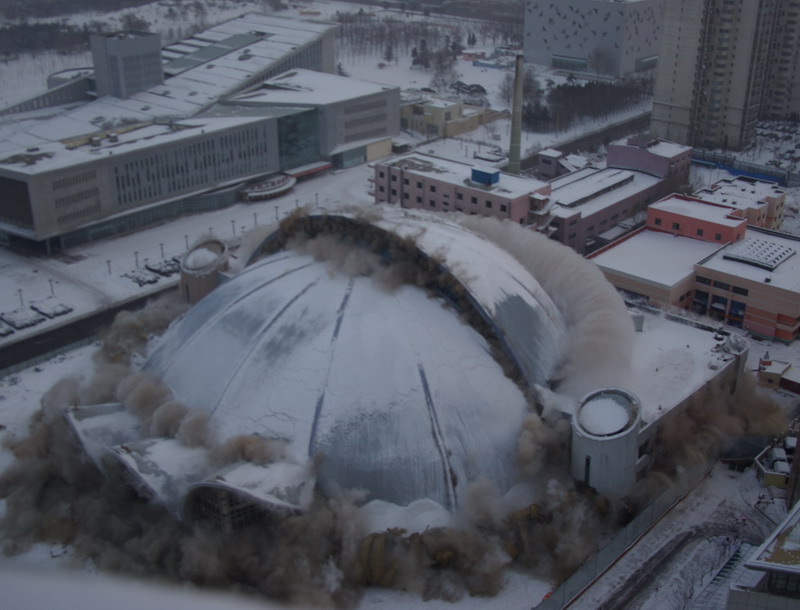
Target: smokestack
[[516, 120]]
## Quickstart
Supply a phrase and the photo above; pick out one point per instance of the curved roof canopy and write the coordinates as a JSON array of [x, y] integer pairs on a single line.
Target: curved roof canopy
[[400, 394]]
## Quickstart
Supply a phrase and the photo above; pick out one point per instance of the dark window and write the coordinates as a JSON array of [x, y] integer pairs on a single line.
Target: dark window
[[459, 196], [676, 226], [432, 203], [382, 189], [394, 191], [405, 196], [737, 290], [419, 199], [657, 221], [488, 204], [394, 178], [405, 181], [432, 188], [718, 236], [722, 285], [703, 280], [474, 199], [503, 207], [700, 232], [380, 174], [419, 185]]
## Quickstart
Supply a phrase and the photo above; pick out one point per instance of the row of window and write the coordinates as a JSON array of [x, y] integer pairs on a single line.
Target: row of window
[[192, 165], [366, 106], [76, 179], [363, 135], [377, 118], [79, 214], [69, 200], [722, 285]]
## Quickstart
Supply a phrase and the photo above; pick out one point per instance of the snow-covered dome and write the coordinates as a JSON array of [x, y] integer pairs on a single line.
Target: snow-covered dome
[[391, 385]]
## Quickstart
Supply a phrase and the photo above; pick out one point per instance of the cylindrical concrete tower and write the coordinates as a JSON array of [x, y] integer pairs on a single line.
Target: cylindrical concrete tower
[[199, 269], [605, 434]]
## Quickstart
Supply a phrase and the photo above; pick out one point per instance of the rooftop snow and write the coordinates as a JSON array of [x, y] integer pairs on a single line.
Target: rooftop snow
[[658, 258], [780, 552], [717, 214], [459, 174], [595, 189], [309, 88], [785, 275], [266, 39], [759, 252], [740, 192]]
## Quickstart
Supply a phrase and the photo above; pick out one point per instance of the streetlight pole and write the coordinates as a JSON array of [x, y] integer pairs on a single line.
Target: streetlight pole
[[21, 302], [52, 290], [136, 258], [162, 250], [233, 226]]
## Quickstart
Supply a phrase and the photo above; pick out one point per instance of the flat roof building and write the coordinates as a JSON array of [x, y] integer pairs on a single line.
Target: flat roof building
[[190, 143], [701, 256]]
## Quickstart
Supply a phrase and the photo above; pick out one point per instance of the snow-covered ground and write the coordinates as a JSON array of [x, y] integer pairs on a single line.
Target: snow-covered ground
[[98, 274]]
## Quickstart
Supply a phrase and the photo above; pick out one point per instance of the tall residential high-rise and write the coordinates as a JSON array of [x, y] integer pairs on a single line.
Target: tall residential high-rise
[[724, 64]]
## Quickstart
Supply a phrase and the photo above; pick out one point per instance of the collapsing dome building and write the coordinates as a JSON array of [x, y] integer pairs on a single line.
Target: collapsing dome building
[[406, 372], [399, 353]]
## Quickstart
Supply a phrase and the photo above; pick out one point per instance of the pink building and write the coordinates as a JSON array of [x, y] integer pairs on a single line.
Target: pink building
[[431, 183], [700, 256], [667, 160], [690, 217]]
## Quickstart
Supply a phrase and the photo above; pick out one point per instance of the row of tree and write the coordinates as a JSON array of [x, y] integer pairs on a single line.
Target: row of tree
[[37, 37], [563, 105], [15, 9]]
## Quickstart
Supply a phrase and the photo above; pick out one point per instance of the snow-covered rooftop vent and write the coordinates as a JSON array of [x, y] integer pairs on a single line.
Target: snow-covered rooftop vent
[[607, 412], [759, 253]]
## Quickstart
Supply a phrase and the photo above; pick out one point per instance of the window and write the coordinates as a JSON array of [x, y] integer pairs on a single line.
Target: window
[[432, 203], [676, 226], [419, 199], [419, 185], [722, 285], [432, 188], [473, 199], [381, 175], [700, 232], [460, 196], [718, 236], [742, 291], [658, 221], [406, 196], [405, 181], [503, 207], [394, 178], [394, 192], [488, 204], [703, 280], [381, 189]]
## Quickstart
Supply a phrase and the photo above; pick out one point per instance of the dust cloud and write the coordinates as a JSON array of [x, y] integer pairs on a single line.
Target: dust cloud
[[326, 556]]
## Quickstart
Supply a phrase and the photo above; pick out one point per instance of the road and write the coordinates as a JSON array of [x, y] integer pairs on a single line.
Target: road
[[72, 332]]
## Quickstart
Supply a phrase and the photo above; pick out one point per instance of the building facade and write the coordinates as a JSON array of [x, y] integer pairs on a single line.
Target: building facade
[[593, 36], [126, 62], [704, 257], [723, 64], [108, 167]]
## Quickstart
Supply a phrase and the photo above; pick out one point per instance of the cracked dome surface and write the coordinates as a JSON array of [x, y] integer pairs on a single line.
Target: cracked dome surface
[[395, 392]]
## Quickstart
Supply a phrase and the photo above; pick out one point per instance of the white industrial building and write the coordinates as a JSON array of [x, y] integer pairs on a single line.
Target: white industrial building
[[184, 143]]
